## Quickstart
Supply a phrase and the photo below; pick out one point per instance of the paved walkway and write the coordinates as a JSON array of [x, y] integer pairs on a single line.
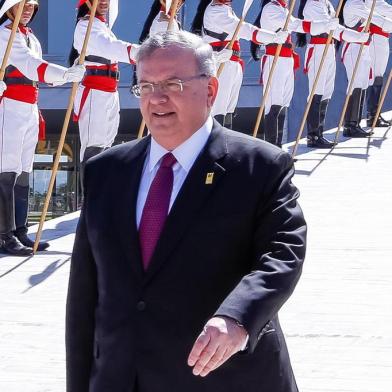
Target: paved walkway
[[338, 322]]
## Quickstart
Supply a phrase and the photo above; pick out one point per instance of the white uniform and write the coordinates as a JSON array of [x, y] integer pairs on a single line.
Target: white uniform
[[379, 46], [356, 13], [19, 115], [160, 23], [273, 17], [318, 10], [97, 106], [219, 25]]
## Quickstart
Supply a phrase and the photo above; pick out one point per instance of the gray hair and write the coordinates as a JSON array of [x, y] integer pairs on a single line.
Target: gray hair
[[182, 39]]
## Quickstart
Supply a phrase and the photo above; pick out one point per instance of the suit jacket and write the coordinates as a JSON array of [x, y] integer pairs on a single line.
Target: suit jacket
[[234, 247]]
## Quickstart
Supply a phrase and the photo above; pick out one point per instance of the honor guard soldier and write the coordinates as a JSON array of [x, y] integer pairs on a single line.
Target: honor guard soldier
[[97, 106], [158, 19], [273, 16], [379, 55], [216, 22], [20, 119], [355, 15], [321, 10]]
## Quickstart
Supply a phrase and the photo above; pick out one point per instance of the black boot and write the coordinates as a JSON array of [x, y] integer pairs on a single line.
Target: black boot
[[270, 124], [228, 121], [323, 114], [89, 153], [281, 122], [360, 113], [373, 99], [315, 123], [21, 192], [9, 242], [351, 123]]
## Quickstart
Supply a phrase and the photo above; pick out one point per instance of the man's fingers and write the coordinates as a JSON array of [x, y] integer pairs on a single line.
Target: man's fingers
[[228, 353], [205, 356], [200, 344], [212, 364]]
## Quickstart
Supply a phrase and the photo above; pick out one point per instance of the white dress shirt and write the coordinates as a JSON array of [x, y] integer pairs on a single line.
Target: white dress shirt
[[185, 154]]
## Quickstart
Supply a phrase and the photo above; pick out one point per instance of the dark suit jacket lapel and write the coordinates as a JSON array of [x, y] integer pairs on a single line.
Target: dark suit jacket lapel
[[193, 194], [127, 197]]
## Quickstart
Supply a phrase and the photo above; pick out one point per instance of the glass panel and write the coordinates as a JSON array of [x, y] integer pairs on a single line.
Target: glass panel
[[65, 196]]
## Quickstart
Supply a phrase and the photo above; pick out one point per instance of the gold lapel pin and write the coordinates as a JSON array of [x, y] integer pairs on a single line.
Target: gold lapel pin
[[209, 178]]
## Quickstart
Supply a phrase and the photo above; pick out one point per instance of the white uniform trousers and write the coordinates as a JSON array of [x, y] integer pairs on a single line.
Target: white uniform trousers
[[230, 81], [326, 81], [18, 135], [363, 73], [282, 85], [379, 55], [99, 119]]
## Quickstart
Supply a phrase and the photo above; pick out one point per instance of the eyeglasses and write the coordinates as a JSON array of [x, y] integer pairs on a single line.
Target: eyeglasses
[[144, 89]]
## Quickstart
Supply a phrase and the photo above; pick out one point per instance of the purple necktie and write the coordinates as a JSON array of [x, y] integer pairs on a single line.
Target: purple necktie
[[156, 208]]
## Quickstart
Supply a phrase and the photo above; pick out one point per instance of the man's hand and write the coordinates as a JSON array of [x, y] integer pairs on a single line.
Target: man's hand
[[221, 338]]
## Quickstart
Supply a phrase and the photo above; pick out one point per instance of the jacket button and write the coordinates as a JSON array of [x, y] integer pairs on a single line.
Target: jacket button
[[141, 305]]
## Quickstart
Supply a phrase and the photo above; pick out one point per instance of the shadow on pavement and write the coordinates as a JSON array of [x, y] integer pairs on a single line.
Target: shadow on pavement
[[61, 229], [37, 279], [16, 266]]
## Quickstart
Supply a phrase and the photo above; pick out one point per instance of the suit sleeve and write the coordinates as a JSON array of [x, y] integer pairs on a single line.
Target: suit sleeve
[[279, 249], [81, 303]]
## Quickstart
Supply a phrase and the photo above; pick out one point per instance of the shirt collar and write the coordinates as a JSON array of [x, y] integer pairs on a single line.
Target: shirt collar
[[187, 152]]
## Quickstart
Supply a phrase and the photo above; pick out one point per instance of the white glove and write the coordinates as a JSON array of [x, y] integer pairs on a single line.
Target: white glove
[[223, 56], [333, 24], [363, 38], [3, 87], [74, 73], [281, 37]]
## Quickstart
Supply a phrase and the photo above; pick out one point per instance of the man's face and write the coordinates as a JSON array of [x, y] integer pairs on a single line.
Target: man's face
[[28, 11], [103, 7], [172, 117]]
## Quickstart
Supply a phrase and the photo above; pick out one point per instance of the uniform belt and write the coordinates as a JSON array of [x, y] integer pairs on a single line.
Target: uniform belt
[[317, 40], [98, 59], [324, 35], [23, 81], [378, 30], [219, 48], [285, 51], [103, 72], [285, 45], [218, 36]]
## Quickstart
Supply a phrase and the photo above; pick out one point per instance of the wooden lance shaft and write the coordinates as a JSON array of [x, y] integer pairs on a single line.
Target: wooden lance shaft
[[350, 87], [231, 43], [170, 27], [382, 99], [64, 130], [313, 91], [15, 25], [271, 73]]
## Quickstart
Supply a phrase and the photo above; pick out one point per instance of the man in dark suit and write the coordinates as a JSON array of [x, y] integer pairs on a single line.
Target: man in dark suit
[[189, 242]]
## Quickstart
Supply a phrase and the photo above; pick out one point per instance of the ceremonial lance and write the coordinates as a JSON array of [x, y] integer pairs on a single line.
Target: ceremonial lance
[[271, 74], [313, 91], [171, 9], [351, 85], [93, 8]]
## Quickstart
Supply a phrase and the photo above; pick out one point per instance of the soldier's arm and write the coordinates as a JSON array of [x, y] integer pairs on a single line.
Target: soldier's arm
[[103, 44]]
